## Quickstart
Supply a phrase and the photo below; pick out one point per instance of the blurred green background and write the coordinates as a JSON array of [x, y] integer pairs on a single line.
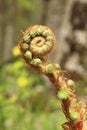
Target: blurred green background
[[28, 100]]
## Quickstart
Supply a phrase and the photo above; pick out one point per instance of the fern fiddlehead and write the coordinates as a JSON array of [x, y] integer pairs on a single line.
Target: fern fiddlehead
[[39, 40], [35, 43]]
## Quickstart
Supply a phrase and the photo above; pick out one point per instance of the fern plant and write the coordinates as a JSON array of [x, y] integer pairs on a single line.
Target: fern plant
[[35, 44]]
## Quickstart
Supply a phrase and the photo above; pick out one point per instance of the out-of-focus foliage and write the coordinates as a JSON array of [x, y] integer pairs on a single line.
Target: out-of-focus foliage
[[82, 84], [24, 103], [28, 12], [25, 100]]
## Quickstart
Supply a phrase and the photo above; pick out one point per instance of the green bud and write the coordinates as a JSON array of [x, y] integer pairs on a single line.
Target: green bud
[[33, 32], [47, 47], [36, 62], [43, 68], [40, 30], [71, 83], [26, 37], [25, 46], [63, 94], [49, 68], [49, 38], [57, 66], [74, 115], [78, 104], [28, 55], [49, 44], [45, 33]]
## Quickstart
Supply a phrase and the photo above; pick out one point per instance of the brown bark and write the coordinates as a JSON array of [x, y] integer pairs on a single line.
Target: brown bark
[[53, 17], [58, 16]]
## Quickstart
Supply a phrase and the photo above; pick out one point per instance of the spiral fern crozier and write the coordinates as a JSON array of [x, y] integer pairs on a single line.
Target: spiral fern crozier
[[35, 43]]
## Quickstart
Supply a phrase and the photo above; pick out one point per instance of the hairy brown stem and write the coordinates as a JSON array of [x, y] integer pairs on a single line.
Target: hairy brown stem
[[35, 43]]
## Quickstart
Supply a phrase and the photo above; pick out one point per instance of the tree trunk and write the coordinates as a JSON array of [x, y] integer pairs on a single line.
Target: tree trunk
[[10, 31], [53, 13], [58, 15]]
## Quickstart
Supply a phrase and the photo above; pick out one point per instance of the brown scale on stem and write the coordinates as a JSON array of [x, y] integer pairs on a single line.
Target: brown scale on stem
[[36, 43]]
